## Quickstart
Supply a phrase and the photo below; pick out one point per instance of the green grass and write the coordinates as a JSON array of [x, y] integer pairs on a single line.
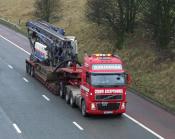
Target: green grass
[[151, 77]]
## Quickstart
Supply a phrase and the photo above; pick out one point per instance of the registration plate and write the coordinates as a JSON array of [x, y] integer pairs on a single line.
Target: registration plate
[[108, 112]]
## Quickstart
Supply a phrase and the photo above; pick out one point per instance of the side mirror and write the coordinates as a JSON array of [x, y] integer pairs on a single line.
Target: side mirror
[[46, 49], [128, 78]]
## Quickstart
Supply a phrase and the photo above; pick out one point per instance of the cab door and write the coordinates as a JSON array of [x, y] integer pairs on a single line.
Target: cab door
[[85, 87]]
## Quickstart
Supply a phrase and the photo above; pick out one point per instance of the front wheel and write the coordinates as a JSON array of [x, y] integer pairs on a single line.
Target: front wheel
[[119, 115], [83, 108]]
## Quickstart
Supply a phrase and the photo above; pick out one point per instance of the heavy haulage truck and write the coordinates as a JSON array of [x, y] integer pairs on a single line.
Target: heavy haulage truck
[[98, 86]]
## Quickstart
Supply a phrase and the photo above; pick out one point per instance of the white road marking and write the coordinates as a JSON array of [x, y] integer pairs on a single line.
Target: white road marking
[[17, 128], [129, 117], [25, 80], [143, 126], [15, 45], [77, 125], [10, 66], [46, 97]]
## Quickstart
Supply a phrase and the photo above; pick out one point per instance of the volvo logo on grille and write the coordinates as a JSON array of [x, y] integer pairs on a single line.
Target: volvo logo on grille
[[104, 104]]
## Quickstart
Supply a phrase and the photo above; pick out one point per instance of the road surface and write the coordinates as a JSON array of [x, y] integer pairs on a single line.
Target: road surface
[[29, 111]]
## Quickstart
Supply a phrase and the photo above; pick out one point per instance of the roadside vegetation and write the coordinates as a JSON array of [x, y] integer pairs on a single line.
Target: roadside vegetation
[[47, 9], [142, 34]]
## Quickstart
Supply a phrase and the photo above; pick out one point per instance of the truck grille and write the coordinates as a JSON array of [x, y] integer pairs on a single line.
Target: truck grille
[[108, 106], [108, 97]]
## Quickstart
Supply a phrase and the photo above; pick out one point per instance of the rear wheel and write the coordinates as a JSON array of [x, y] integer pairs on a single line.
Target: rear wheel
[[58, 89], [83, 108], [62, 92], [27, 68], [72, 101], [32, 72], [67, 97]]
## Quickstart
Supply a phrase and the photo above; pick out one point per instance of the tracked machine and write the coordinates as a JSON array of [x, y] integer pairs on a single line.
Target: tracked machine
[[98, 86]]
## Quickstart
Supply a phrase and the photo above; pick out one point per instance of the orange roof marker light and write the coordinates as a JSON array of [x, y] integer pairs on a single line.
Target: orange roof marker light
[[102, 55]]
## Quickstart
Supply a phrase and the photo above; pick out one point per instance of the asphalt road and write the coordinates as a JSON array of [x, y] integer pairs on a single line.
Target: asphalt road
[[29, 111]]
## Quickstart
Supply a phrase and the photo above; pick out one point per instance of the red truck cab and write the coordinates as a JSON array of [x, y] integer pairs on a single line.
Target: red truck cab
[[103, 85]]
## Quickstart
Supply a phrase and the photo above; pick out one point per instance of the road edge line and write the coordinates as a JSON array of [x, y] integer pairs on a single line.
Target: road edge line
[[143, 126], [15, 45]]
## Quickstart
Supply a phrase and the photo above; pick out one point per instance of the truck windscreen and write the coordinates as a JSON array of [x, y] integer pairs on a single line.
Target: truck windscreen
[[107, 80]]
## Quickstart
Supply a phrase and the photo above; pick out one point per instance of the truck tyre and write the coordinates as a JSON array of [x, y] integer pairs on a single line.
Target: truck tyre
[[72, 101], [83, 109], [32, 72], [27, 68], [62, 90], [119, 115], [67, 97], [59, 88]]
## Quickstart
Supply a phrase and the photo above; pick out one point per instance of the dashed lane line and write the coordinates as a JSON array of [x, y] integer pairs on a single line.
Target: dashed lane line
[[45, 97], [10, 66], [78, 126], [17, 128], [25, 80]]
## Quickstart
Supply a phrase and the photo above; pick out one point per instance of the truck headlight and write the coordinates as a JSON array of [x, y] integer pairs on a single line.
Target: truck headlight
[[92, 106], [123, 106]]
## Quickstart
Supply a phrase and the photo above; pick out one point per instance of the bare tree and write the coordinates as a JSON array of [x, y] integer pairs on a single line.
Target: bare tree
[[47, 9], [160, 18], [95, 10], [118, 14]]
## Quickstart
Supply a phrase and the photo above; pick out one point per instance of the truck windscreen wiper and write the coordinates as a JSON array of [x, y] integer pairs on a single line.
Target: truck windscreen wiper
[[99, 85]]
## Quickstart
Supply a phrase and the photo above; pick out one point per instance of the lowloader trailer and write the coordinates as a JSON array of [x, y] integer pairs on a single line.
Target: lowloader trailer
[[97, 87]]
